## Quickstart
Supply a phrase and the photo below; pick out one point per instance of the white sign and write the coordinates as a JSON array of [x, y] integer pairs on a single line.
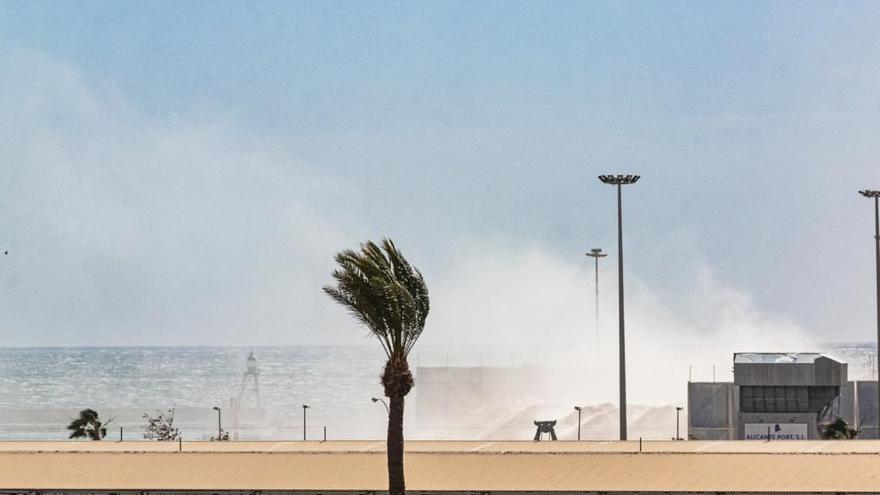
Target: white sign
[[777, 431]]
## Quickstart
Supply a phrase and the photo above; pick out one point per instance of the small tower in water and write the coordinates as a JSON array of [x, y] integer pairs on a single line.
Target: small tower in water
[[250, 384]]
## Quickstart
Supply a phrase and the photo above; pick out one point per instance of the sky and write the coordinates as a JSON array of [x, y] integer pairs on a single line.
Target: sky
[[181, 173]]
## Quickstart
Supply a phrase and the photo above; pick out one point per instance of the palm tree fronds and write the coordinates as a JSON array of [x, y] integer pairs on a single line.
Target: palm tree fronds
[[384, 293]]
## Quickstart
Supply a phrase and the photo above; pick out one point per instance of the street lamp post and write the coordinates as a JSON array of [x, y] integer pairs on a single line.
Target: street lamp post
[[219, 425], [876, 196], [620, 181], [305, 406], [677, 431], [375, 400], [579, 409]]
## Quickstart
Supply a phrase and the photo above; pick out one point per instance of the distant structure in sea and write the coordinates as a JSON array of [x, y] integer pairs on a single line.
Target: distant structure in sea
[[250, 391], [250, 384]]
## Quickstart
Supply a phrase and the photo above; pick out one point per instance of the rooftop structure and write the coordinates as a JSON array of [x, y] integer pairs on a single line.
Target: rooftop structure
[[775, 357]]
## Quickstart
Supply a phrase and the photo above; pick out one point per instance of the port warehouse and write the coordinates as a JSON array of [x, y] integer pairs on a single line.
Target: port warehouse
[[447, 467], [788, 395]]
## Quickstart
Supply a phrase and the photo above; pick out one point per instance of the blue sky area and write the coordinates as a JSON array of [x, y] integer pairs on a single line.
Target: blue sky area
[[182, 172]]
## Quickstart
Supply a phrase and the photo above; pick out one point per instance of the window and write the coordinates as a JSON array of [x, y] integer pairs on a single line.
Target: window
[[772, 399]]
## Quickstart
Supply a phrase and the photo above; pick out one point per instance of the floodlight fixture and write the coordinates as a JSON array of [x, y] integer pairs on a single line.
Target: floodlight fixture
[[620, 180], [596, 253]]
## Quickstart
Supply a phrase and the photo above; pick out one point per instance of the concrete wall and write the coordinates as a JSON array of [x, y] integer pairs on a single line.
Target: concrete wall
[[830, 372], [848, 408], [711, 409], [449, 392], [867, 409]]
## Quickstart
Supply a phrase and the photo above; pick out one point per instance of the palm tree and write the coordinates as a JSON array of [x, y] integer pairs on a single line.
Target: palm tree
[[389, 297], [837, 430], [88, 425]]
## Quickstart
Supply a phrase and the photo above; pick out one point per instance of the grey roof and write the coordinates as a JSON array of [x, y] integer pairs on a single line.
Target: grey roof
[[776, 357]]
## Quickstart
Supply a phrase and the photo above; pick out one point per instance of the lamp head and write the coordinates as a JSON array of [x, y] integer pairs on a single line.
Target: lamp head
[[374, 399], [596, 253], [577, 408], [868, 193], [678, 408], [619, 180], [216, 408], [306, 406]]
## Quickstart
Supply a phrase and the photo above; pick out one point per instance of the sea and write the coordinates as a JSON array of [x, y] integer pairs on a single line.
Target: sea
[[42, 389]]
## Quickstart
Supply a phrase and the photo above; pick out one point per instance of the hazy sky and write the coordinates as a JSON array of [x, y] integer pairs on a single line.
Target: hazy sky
[[183, 172]]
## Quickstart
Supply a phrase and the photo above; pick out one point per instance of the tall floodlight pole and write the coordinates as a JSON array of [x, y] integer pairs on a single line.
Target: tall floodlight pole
[[876, 196], [620, 181], [597, 253]]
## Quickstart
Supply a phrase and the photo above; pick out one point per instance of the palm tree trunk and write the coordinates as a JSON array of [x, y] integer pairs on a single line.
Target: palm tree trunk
[[396, 484]]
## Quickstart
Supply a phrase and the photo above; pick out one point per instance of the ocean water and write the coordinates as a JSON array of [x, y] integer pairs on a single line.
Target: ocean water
[[189, 377], [41, 390]]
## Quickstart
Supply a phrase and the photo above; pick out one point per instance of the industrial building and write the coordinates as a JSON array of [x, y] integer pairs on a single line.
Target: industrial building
[[460, 468], [780, 396]]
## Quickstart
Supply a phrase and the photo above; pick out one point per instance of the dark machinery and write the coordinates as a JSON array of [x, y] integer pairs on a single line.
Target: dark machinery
[[545, 427]]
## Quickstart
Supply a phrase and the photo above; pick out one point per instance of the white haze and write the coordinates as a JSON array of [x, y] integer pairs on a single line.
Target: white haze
[[522, 297], [125, 230]]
